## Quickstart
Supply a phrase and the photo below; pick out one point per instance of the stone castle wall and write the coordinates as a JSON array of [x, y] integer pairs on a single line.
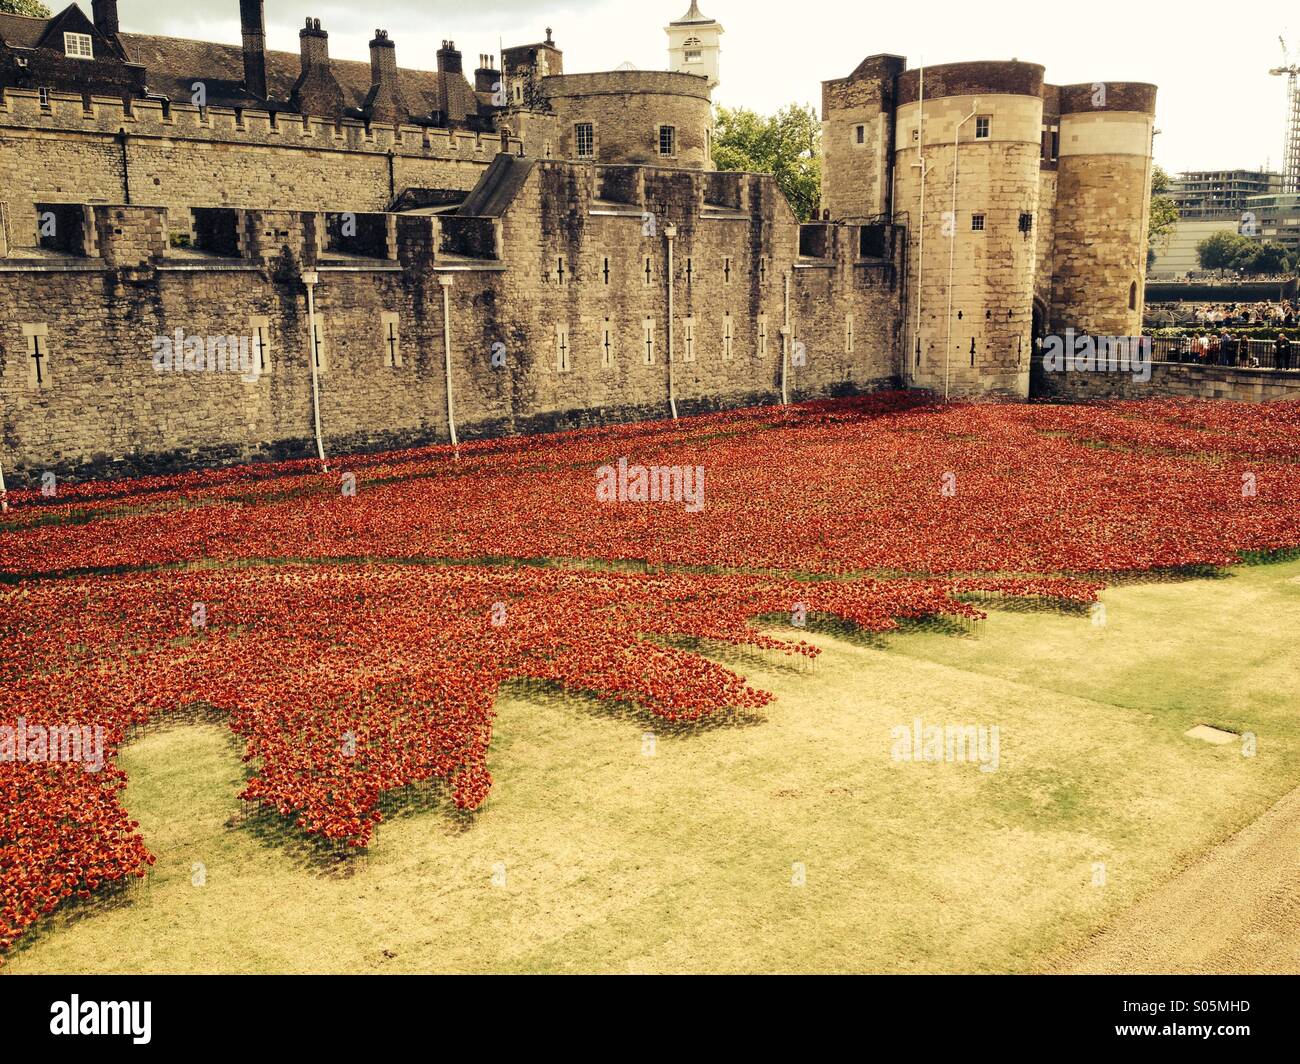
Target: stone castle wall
[[1170, 380], [542, 306], [68, 153]]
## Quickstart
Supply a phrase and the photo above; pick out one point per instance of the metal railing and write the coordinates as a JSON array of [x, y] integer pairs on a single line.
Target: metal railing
[[1214, 351]]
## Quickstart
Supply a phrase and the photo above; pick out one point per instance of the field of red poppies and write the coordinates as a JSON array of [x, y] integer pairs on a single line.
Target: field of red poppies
[[355, 626]]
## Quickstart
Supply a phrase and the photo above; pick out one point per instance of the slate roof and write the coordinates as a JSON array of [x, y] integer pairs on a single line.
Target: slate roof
[[174, 64], [20, 31], [498, 187]]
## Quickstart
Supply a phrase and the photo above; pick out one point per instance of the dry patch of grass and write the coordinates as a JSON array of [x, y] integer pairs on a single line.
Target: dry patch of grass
[[591, 855]]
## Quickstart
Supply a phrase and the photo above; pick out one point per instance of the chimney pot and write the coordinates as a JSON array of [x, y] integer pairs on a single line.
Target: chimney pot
[[104, 15], [252, 20]]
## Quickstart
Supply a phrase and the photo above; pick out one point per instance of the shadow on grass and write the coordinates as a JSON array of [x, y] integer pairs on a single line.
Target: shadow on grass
[[107, 898], [549, 693]]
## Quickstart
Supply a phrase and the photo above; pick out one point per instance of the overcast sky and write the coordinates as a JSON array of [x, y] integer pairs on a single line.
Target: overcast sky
[[1217, 106]]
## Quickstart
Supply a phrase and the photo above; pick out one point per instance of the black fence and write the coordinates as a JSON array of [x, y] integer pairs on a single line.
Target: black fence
[[1215, 351]]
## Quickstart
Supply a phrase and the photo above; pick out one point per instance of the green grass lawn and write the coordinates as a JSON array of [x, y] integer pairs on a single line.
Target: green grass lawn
[[591, 856]]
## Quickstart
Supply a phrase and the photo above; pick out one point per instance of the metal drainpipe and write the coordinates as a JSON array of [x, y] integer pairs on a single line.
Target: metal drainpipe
[[126, 167], [310, 279], [920, 231], [445, 280], [4, 495], [952, 248], [785, 346], [670, 233]]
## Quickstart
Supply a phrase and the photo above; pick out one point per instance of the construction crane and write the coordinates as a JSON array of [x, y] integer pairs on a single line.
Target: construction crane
[[1291, 166]]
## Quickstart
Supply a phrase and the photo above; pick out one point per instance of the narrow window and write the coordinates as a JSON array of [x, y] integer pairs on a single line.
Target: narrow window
[[319, 352], [728, 336], [605, 270], [1026, 222], [688, 340], [260, 327], [1133, 296], [977, 222], [982, 128], [667, 141], [560, 275], [848, 335], [391, 337], [648, 341], [726, 269], [44, 94], [648, 272], [585, 135], [38, 355], [861, 133], [562, 348], [762, 271], [762, 336], [607, 345]]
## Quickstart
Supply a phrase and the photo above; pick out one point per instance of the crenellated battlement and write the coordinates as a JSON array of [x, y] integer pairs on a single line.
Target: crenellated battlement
[[67, 112]]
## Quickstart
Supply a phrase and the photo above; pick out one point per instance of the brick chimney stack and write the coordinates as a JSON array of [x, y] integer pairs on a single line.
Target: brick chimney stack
[[104, 14], [488, 75], [252, 18], [317, 91], [449, 60], [385, 102]]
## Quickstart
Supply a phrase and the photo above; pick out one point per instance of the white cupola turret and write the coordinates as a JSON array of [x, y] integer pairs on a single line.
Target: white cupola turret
[[694, 45]]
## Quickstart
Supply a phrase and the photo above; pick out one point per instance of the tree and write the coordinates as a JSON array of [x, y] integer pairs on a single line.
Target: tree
[[1220, 251], [1268, 258], [32, 8], [1164, 215], [786, 145], [1241, 254]]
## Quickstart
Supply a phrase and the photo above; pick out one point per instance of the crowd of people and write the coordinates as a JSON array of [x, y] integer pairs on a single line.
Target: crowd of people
[[1225, 349], [1248, 315], [1213, 342]]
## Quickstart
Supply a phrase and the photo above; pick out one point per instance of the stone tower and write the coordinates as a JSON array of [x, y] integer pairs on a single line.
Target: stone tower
[[694, 45], [1102, 212], [973, 252]]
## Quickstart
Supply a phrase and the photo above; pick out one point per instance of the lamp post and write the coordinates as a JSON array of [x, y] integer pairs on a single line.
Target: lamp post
[[670, 234], [920, 228], [445, 280], [311, 278], [952, 248]]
